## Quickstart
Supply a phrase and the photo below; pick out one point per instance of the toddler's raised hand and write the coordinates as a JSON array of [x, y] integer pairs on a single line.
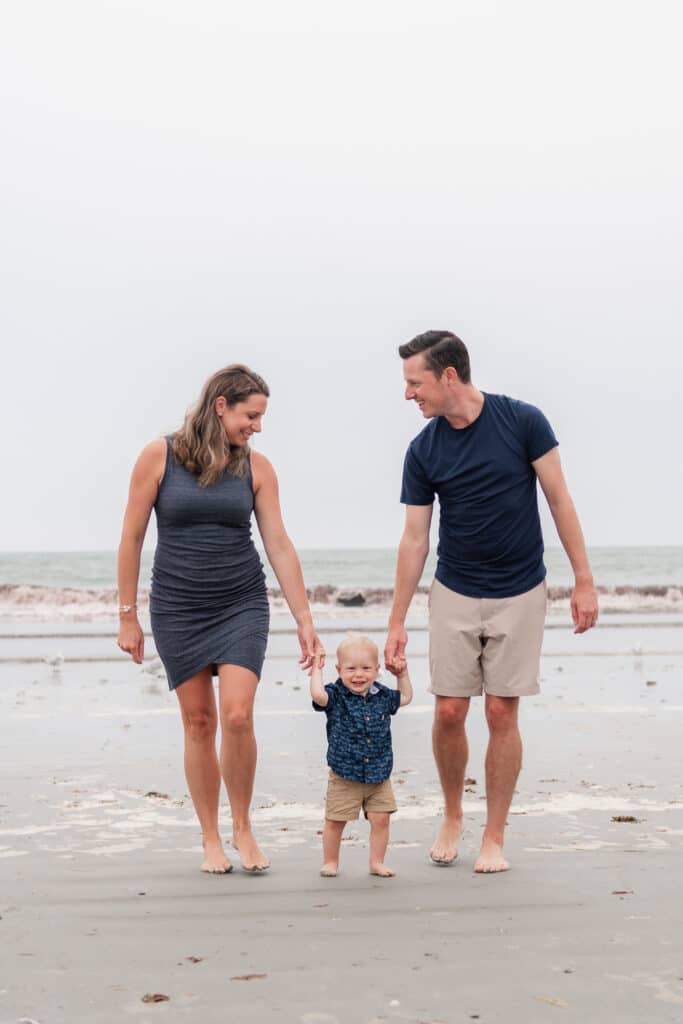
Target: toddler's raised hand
[[397, 665]]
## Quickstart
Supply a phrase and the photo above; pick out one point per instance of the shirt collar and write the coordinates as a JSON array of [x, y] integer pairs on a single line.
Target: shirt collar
[[374, 689]]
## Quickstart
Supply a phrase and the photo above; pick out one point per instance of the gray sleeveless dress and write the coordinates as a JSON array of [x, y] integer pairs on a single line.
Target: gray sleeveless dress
[[208, 600]]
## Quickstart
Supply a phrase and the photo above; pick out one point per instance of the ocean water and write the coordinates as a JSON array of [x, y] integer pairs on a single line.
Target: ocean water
[[632, 567]]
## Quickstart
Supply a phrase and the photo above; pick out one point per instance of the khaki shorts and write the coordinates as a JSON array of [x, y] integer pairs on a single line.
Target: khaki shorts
[[485, 645], [346, 797]]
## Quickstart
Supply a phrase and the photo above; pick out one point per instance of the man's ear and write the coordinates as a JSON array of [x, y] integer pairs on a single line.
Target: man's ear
[[451, 375]]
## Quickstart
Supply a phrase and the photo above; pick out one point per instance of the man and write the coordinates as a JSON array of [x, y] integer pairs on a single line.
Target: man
[[481, 454]]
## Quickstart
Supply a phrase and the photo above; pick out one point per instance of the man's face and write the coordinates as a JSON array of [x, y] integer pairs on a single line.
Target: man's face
[[424, 387]]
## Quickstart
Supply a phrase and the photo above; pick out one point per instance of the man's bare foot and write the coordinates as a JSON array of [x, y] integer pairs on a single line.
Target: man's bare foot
[[491, 859], [251, 857], [445, 848], [329, 870], [215, 860], [382, 871]]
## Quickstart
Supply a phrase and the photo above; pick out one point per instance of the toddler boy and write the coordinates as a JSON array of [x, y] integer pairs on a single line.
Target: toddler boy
[[359, 753]]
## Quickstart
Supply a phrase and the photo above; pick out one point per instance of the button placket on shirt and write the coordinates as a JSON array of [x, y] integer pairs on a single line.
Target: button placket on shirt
[[366, 718]]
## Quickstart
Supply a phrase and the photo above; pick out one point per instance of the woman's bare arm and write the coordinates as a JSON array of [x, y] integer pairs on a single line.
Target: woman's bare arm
[[144, 486], [283, 557]]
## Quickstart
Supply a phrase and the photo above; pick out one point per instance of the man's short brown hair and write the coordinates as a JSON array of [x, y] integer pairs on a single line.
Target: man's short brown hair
[[440, 349]]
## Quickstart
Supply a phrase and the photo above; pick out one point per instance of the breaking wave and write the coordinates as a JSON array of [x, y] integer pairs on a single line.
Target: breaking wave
[[74, 604]]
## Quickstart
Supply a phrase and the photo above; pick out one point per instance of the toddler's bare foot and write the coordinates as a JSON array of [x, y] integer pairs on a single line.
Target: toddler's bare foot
[[215, 860], [329, 869], [251, 857], [491, 859], [445, 848], [382, 871]]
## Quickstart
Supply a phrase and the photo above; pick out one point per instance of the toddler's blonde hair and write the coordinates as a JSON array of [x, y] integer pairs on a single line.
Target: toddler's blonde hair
[[357, 640]]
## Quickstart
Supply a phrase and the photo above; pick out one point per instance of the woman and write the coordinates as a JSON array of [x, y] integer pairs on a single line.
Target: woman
[[208, 603]]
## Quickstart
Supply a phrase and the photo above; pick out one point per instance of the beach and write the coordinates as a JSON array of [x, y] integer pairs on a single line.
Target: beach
[[103, 903]]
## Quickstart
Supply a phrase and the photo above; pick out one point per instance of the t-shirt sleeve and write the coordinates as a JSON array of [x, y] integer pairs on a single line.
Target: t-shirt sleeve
[[540, 436], [415, 488], [394, 701], [331, 698]]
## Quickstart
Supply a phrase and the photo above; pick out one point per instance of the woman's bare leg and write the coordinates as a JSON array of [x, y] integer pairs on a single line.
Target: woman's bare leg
[[198, 709], [237, 689]]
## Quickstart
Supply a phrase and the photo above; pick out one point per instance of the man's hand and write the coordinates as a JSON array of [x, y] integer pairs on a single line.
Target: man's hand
[[395, 647], [584, 605]]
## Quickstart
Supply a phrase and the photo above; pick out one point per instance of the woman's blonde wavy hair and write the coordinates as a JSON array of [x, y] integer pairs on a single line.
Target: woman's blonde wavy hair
[[201, 444]]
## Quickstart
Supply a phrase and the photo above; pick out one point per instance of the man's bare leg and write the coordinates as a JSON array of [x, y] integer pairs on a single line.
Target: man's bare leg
[[237, 689], [332, 836], [503, 764], [379, 840], [198, 708], [449, 742]]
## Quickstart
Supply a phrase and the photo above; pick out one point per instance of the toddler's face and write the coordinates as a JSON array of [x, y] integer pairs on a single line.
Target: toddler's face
[[358, 668]]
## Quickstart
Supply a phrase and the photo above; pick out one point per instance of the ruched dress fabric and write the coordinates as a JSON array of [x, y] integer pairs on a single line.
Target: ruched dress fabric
[[208, 600]]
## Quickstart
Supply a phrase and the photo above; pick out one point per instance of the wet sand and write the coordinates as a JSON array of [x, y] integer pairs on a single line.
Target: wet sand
[[101, 901]]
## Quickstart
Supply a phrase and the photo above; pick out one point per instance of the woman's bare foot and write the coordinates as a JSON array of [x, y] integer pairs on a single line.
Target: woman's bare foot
[[491, 859], [329, 870], [251, 856], [382, 871], [445, 848], [215, 860]]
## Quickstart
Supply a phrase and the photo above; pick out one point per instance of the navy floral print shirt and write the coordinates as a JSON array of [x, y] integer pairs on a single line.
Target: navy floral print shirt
[[359, 731]]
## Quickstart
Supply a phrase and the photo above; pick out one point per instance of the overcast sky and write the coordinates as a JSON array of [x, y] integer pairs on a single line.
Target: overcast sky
[[302, 186]]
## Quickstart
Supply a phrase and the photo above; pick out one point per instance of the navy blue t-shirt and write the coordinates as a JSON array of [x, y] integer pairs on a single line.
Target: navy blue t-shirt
[[490, 541]]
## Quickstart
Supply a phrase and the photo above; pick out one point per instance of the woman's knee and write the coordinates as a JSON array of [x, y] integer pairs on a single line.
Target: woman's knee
[[237, 721], [200, 724]]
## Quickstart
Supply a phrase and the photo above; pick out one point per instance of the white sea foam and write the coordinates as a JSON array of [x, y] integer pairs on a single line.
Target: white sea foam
[[21, 603]]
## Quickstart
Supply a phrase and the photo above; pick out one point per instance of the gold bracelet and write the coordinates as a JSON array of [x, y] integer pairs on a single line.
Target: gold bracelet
[[125, 608]]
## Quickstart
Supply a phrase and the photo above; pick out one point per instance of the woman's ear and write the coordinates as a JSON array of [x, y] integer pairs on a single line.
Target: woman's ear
[[220, 405]]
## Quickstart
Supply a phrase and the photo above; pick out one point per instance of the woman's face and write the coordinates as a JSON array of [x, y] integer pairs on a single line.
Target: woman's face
[[243, 419]]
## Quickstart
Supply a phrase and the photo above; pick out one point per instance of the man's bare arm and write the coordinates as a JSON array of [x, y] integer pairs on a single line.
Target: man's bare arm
[[584, 600], [412, 554]]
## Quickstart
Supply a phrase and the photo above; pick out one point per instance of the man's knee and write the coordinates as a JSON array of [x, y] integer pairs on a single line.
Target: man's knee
[[451, 712], [501, 713]]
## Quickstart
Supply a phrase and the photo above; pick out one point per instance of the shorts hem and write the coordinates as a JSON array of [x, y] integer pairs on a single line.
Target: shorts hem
[[436, 693], [527, 693]]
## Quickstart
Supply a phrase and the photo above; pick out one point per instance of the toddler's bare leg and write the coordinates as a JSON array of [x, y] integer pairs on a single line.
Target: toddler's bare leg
[[379, 839], [332, 835]]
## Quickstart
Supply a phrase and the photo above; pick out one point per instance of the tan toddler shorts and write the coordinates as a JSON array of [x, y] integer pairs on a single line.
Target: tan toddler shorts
[[346, 797], [485, 645]]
